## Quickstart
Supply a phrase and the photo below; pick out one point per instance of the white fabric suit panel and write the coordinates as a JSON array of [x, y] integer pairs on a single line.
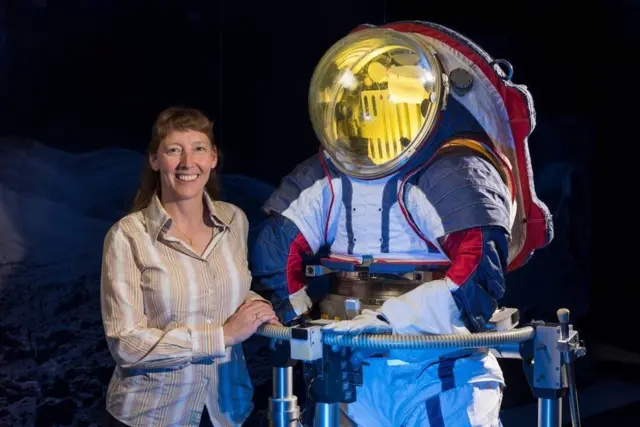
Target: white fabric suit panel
[[309, 211], [366, 219], [367, 212], [424, 214]]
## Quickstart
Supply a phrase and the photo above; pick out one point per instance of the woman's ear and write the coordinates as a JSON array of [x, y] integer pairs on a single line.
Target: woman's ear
[[214, 155], [153, 161]]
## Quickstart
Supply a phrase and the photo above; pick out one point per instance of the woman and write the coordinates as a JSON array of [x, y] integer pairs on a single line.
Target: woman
[[175, 296]]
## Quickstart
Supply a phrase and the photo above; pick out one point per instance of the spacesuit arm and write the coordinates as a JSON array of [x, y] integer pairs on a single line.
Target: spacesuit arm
[[461, 200], [293, 232], [277, 261], [479, 262]]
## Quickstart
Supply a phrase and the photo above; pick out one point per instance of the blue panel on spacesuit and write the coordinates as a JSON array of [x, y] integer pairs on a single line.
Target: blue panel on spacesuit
[[477, 296], [270, 257], [466, 191], [456, 121], [389, 198], [347, 195], [278, 242], [338, 265], [269, 261], [392, 268]]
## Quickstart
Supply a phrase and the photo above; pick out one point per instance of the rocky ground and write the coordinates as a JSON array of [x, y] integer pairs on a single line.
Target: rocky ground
[[55, 362]]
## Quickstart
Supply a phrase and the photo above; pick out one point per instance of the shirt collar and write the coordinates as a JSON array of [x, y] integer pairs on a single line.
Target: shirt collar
[[158, 220]]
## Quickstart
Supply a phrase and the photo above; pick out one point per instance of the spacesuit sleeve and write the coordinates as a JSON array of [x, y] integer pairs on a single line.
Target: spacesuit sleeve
[[479, 262], [469, 206], [293, 232]]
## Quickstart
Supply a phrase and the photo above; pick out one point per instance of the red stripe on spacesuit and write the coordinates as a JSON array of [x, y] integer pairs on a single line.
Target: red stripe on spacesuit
[[294, 270], [464, 249]]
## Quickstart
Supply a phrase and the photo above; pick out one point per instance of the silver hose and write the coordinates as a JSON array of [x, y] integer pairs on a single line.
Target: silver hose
[[276, 332], [398, 341]]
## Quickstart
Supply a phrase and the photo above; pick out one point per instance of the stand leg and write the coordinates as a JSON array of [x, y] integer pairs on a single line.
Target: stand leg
[[573, 396], [550, 412], [283, 406], [327, 415]]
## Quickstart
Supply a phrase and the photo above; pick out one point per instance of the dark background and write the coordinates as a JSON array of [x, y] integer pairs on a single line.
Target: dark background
[[82, 81], [81, 75]]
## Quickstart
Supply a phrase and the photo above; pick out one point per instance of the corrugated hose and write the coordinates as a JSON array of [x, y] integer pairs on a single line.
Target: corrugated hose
[[390, 341]]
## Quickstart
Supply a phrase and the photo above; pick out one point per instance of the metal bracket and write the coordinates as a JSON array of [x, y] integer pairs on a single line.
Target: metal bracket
[[504, 319], [367, 260], [572, 346], [316, 270], [547, 367], [306, 340], [352, 307]]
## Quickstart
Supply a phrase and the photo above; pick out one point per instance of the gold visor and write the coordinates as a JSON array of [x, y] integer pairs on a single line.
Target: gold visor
[[374, 98]]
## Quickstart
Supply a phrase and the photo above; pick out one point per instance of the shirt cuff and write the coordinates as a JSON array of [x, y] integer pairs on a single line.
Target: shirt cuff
[[209, 340], [252, 296]]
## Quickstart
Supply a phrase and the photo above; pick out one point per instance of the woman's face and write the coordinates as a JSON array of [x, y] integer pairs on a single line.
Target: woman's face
[[184, 160]]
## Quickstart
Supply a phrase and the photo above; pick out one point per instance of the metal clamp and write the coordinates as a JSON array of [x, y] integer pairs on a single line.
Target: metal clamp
[[306, 340], [316, 270], [572, 347]]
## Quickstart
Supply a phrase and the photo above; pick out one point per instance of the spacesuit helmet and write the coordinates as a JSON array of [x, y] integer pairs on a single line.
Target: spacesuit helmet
[[374, 98]]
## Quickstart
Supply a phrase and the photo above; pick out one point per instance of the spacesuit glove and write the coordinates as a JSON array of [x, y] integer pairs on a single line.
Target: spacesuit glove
[[427, 309], [300, 302], [368, 321]]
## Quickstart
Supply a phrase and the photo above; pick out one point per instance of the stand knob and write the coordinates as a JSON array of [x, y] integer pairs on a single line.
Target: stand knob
[[563, 318]]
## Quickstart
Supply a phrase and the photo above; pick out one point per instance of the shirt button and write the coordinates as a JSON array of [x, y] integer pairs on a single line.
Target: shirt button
[[208, 321]]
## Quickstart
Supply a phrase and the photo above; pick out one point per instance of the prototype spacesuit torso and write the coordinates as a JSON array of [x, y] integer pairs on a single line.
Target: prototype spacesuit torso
[[370, 222]]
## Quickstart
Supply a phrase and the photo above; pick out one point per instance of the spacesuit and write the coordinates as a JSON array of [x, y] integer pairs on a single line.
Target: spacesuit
[[423, 170]]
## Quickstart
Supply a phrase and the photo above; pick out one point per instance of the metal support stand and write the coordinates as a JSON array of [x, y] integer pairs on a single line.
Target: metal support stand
[[569, 354], [327, 415], [547, 361], [333, 380], [549, 412], [283, 406]]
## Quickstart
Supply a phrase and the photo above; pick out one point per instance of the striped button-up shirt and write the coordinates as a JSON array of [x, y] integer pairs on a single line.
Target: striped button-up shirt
[[163, 307]]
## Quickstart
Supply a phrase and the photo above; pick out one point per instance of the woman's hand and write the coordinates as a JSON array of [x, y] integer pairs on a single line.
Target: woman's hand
[[246, 320], [268, 308]]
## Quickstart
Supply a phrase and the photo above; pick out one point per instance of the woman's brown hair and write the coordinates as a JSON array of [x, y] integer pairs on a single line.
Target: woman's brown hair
[[169, 120]]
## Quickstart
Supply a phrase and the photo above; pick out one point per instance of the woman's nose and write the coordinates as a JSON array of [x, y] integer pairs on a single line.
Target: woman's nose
[[186, 158]]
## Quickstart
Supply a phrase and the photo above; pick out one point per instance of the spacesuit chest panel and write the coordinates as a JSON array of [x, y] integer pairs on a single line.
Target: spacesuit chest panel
[[371, 223]]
